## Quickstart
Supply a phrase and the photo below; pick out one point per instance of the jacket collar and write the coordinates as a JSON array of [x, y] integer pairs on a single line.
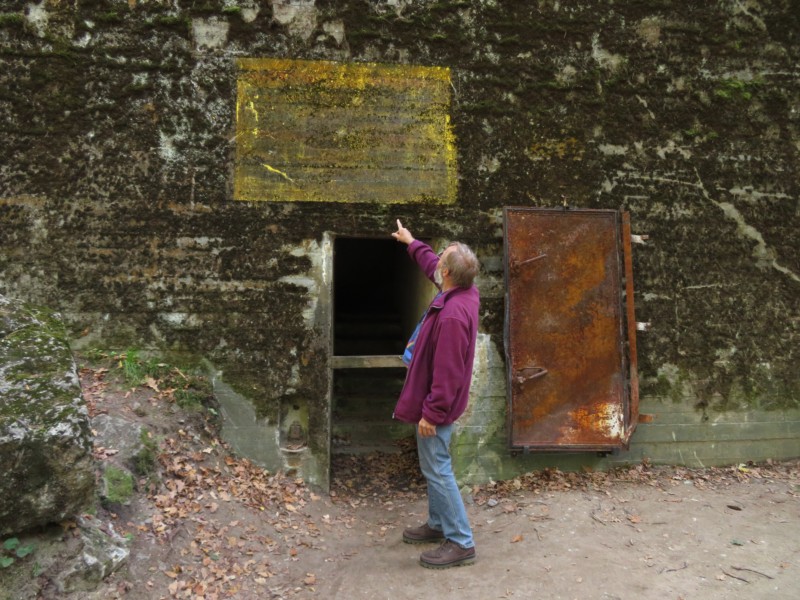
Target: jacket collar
[[441, 297]]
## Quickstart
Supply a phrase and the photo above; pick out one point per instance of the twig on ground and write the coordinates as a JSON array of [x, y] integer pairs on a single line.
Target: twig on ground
[[752, 571], [735, 577], [596, 518]]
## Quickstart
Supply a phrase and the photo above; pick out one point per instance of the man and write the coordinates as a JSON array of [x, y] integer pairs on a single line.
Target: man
[[436, 391]]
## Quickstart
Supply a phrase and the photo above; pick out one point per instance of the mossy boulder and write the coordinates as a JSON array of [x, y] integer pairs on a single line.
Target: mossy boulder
[[45, 438]]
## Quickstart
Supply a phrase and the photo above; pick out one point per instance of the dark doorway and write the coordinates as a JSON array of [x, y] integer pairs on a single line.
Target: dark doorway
[[374, 295], [378, 297]]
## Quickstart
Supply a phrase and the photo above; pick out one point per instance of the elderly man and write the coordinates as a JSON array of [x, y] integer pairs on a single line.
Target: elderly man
[[439, 358]]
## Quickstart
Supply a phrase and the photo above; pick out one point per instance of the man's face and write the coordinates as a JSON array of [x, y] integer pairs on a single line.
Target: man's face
[[438, 276]]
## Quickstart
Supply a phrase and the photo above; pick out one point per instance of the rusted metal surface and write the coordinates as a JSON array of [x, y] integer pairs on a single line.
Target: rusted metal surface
[[567, 348]]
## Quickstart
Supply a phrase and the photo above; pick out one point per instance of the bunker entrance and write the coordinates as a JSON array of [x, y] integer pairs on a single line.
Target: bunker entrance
[[378, 297]]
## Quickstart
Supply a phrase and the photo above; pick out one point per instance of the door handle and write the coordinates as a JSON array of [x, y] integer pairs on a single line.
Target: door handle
[[517, 265], [528, 374]]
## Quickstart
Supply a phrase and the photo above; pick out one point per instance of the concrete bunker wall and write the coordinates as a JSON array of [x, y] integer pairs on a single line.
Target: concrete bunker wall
[[117, 195]]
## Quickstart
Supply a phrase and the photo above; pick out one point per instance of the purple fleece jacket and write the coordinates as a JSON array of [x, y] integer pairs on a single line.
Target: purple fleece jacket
[[438, 378]]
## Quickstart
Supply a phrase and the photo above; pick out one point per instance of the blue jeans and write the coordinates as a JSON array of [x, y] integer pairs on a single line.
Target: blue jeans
[[446, 510]]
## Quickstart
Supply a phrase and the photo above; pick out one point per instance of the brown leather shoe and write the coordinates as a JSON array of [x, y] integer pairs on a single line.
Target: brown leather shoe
[[447, 555], [422, 534]]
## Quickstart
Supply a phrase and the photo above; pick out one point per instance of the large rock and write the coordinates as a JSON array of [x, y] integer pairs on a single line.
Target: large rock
[[101, 553], [46, 458]]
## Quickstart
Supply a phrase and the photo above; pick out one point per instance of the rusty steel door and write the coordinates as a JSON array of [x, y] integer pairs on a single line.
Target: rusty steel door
[[570, 329]]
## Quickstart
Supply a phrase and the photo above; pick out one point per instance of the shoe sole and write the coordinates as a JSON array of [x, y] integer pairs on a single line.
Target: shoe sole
[[464, 562]]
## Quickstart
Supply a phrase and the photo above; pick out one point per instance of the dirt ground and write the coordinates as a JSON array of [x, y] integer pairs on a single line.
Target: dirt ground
[[214, 526]]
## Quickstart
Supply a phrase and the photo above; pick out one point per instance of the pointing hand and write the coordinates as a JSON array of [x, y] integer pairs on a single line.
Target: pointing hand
[[402, 234]]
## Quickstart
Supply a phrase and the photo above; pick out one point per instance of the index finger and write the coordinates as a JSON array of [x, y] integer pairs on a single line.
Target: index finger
[[399, 224]]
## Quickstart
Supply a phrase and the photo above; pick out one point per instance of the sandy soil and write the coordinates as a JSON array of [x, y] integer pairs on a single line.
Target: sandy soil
[[218, 527], [664, 538]]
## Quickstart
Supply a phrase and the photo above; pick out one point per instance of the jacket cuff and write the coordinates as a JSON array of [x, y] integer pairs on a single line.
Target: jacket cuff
[[431, 417]]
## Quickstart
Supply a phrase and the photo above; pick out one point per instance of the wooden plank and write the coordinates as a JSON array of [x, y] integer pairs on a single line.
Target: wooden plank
[[367, 362]]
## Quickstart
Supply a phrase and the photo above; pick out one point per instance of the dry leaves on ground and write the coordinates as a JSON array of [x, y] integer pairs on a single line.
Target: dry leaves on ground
[[551, 480], [357, 478], [211, 555]]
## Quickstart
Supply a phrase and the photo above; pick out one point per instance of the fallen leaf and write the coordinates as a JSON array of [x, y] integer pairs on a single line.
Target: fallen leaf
[[152, 384], [517, 538]]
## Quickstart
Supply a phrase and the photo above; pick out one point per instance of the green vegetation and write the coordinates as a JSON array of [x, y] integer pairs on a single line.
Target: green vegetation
[[187, 386], [136, 370], [486, 107], [146, 459], [734, 89], [178, 23], [118, 485], [110, 17], [699, 132], [12, 20], [189, 398], [12, 550], [40, 322], [37, 569], [208, 8]]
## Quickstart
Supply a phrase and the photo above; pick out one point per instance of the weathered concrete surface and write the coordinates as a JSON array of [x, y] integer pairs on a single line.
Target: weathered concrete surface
[[45, 440], [124, 436], [102, 552], [116, 180], [66, 562]]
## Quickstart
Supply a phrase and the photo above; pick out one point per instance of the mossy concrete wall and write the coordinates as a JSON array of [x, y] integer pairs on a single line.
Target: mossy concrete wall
[[117, 208]]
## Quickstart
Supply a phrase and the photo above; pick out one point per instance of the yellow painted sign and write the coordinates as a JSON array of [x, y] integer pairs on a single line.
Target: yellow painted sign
[[343, 132]]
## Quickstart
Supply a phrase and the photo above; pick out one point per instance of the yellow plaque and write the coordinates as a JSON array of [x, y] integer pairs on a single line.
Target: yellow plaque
[[320, 131]]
